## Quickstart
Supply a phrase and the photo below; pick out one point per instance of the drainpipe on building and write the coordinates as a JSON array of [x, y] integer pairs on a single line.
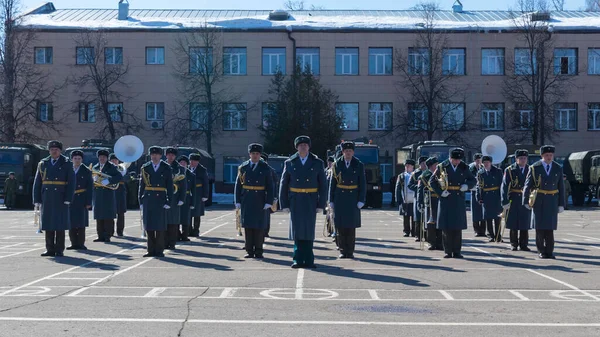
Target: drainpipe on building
[[289, 33]]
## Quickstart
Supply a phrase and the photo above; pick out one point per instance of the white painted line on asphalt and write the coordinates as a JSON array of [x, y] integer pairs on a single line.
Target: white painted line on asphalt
[[303, 322], [228, 292], [299, 284], [122, 271], [519, 295], [155, 292], [485, 252], [220, 217], [16, 244], [74, 278], [568, 240], [564, 284], [214, 228], [585, 237], [23, 252], [446, 295], [373, 294]]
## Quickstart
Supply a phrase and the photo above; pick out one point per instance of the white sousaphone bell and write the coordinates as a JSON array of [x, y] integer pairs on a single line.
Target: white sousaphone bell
[[129, 149], [495, 147]]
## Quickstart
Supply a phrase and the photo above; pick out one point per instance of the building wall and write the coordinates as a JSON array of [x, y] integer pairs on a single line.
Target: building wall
[[156, 83]]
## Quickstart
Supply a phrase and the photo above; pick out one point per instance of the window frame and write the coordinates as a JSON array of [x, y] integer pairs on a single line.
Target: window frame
[[226, 115], [343, 55], [445, 114], [560, 111], [283, 69], [114, 58], [197, 59], [340, 104], [420, 59], [201, 126], [558, 69], [499, 116], [391, 122], [45, 49], [156, 105], [49, 111], [86, 107], [384, 55], [446, 53], [596, 56], [164, 55], [120, 112], [264, 105], [312, 55], [77, 49], [529, 112], [232, 163], [595, 118], [424, 116], [529, 70], [227, 52], [503, 57], [390, 167]]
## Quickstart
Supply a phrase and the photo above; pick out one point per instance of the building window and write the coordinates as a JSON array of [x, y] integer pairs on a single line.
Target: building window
[[594, 116], [380, 61], [418, 61], [492, 61], [113, 55], [155, 111], [524, 116], [234, 117], [273, 61], [565, 116], [594, 61], [380, 116], [85, 55], [116, 111], [230, 169], [234, 61], [43, 55], [198, 116], [454, 61], [453, 116], [565, 61], [269, 109], [155, 55], [45, 112], [386, 171], [308, 59], [525, 62], [87, 112], [417, 117], [201, 60], [492, 116], [349, 114], [346, 61]]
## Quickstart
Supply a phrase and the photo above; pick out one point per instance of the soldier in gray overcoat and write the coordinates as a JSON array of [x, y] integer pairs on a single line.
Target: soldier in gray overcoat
[[120, 195], [179, 196], [155, 194], [413, 186], [489, 181], [545, 177], [303, 193], [190, 200], [201, 190], [406, 197], [347, 195], [82, 201], [476, 208], [517, 217], [105, 200], [427, 200], [268, 212], [53, 190], [450, 181], [253, 196]]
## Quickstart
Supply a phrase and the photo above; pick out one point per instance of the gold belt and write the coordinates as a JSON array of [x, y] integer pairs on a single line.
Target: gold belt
[[61, 183], [548, 192], [188, 192], [121, 183], [80, 191], [253, 188], [433, 195], [157, 189], [516, 191], [304, 190], [489, 189], [453, 188], [347, 187], [198, 185]]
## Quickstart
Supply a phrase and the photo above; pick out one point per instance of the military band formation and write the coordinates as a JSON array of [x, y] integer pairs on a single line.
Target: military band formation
[[172, 193]]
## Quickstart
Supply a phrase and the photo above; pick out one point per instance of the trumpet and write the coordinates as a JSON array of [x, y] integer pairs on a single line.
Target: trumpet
[[177, 178], [99, 176], [443, 178]]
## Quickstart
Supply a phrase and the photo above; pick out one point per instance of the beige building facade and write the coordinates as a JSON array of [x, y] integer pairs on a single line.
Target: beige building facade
[[354, 62]]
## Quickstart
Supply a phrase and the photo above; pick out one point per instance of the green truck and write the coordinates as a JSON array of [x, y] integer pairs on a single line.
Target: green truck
[[428, 148], [583, 173], [22, 159]]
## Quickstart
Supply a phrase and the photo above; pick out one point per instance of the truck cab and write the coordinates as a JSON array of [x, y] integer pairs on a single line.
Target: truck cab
[[23, 160], [89, 147], [429, 148]]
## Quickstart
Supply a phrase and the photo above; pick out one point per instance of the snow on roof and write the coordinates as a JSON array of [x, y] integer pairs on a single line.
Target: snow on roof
[[50, 18]]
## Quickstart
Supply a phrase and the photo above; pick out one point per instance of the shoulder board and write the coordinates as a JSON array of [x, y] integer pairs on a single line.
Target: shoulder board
[[294, 156], [164, 163], [537, 163], [147, 164]]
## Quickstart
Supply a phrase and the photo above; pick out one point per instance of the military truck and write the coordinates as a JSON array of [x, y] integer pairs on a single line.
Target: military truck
[[89, 147], [428, 148], [583, 173], [22, 159], [534, 154], [368, 154]]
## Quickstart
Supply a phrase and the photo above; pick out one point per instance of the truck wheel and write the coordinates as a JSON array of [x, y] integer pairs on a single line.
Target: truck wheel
[[578, 193], [377, 200]]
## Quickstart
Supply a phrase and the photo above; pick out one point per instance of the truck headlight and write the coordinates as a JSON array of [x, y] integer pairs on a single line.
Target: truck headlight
[[375, 187]]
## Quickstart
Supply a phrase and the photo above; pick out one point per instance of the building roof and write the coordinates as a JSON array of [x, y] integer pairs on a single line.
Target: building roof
[[48, 17]]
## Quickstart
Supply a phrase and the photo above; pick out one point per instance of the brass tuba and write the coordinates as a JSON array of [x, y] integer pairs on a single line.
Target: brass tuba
[[100, 176], [495, 147], [443, 178]]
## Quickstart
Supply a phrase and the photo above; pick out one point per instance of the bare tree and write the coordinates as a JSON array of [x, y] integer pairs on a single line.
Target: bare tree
[[100, 83], [559, 5], [431, 89], [533, 84], [205, 102], [300, 5], [592, 5], [26, 108]]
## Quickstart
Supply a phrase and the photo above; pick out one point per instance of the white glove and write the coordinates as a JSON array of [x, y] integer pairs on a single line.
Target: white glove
[[141, 208], [286, 210], [561, 209], [105, 182], [445, 194], [507, 206], [68, 203], [319, 210], [267, 206], [180, 203], [96, 178], [167, 207], [331, 205], [238, 206], [204, 199], [38, 205], [464, 187], [527, 206], [360, 205], [192, 207]]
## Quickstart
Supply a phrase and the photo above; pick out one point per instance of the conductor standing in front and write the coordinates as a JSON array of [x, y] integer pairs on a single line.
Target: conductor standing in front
[[544, 194]]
